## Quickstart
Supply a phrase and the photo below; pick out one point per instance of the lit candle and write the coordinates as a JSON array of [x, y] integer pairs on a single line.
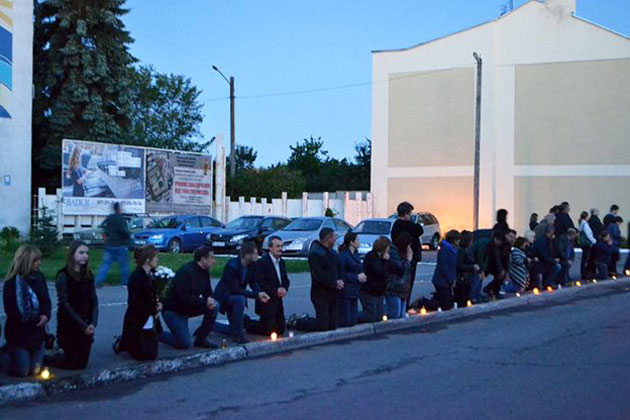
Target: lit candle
[[518, 294], [469, 303], [536, 291], [627, 272], [274, 336], [549, 289], [384, 318], [45, 374], [578, 283], [594, 280], [614, 277], [439, 309], [290, 334], [423, 311]]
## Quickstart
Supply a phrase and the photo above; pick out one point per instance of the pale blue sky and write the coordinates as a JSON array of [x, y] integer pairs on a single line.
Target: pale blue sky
[[273, 46]]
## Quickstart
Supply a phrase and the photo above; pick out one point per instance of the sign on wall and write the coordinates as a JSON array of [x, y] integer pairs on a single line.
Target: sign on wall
[[6, 57], [143, 180]]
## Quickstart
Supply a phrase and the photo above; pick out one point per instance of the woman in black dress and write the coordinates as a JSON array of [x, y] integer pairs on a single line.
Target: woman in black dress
[[142, 325], [78, 308]]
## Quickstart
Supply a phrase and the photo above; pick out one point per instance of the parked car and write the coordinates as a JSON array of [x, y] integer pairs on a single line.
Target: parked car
[[177, 233], [368, 231], [257, 228], [94, 237], [298, 236], [432, 232]]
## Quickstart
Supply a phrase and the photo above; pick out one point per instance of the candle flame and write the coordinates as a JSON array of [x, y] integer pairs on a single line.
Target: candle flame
[[384, 318], [290, 334], [423, 311], [469, 303], [549, 289], [518, 294], [627, 272], [45, 374], [594, 280], [536, 291], [274, 336], [578, 283]]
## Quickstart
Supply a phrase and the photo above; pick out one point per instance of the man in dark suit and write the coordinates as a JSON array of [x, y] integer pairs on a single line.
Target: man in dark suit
[[231, 292], [404, 224], [272, 278]]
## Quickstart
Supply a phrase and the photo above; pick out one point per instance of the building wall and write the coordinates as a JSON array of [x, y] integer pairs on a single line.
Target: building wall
[[555, 100], [16, 18]]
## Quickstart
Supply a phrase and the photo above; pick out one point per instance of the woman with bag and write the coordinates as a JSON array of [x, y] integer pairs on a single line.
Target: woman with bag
[[352, 275], [142, 324], [586, 241], [376, 265], [77, 313], [27, 305], [399, 278]]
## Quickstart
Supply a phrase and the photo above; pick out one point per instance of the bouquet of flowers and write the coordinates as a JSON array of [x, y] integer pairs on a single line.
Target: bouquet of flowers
[[162, 277]]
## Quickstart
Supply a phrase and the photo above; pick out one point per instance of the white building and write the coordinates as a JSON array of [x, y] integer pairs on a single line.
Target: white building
[[555, 118], [16, 87]]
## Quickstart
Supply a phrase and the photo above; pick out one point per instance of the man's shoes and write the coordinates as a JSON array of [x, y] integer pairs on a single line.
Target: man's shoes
[[205, 344], [240, 340]]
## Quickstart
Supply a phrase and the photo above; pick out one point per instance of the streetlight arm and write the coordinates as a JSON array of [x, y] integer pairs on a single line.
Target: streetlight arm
[[222, 75]]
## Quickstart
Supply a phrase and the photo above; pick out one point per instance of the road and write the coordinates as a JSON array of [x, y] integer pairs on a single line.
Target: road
[[565, 360]]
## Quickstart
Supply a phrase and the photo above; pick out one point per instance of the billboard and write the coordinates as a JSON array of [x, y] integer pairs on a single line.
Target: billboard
[[143, 180], [6, 57], [178, 182]]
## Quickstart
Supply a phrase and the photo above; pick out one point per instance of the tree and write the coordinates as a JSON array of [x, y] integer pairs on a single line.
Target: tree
[[244, 157], [270, 182], [82, 77], [363, 159], [166, 112], [307, 156]]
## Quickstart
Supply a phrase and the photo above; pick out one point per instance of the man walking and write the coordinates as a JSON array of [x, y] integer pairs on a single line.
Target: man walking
[[404, 224], [272, 278], [117, 237], [188, 296]]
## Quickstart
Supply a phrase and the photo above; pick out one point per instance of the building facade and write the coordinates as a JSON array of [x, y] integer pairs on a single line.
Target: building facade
[[555, 120], [16, 93]]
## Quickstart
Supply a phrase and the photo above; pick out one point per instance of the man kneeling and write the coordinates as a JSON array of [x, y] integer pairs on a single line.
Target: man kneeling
[[232, 293], [271, 275], [190, 295]]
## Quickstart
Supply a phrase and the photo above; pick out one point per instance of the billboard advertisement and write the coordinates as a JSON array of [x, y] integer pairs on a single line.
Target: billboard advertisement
[[95, 175], [178, 182]]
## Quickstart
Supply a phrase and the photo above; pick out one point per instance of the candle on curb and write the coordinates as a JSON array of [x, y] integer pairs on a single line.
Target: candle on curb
[[290, 334], [594, 280], [469, 303], [614, 277], [536, 291], [578, 283], [549, 289], [559, 287], [423, 311], [384, 318], [455, 305], [627, 272], [439, 309], [518, 294], [274, 336], [45, 374]]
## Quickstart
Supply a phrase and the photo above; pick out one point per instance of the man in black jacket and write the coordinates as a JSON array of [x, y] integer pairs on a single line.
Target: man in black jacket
[[404, 224], [272, 278], [548, 265], [612, 216], [190, 295], [117, 237]]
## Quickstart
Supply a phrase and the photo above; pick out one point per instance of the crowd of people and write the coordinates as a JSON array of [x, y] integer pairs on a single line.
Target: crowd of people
[[382, 282]]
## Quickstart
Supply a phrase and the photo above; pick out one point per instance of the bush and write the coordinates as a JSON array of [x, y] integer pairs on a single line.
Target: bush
[[9, 239], [44, 233]]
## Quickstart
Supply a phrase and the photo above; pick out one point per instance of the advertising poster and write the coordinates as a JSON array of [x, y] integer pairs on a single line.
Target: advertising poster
[[178, 182], [95, 175]]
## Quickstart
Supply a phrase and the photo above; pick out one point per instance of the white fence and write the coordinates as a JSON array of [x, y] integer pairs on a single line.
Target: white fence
[[352, 207]]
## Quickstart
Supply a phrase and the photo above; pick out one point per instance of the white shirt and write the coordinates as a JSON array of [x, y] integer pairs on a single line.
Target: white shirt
[[276, 265], [586, 228]]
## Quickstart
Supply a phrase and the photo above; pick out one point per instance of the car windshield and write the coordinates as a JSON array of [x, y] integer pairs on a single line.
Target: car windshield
[[304, 225], [166, 223], [135, 223], [244, 223], [373, 227]]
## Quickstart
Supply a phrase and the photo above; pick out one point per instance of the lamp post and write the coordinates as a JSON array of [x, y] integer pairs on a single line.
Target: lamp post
[[477, 58], [232, 141]]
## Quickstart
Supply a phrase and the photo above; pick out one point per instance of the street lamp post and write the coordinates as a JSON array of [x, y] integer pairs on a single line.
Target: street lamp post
[[232, 134], [477, 58]]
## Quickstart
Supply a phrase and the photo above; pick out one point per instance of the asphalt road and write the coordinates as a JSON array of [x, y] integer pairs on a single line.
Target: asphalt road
[[566, 360]]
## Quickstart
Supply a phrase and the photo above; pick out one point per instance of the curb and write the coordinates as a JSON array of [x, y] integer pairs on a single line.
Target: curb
[[25, 391]]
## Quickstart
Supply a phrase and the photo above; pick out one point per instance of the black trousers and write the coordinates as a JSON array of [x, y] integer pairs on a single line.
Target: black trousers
[[326, 315], [77, 356], [444, 296], [587, 263], [612, 267], [145, 347], [495, 285], [413, 268], [462, 293], [268, 323]]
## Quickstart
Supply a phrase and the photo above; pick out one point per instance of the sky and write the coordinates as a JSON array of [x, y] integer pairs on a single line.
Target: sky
[[274, 47]]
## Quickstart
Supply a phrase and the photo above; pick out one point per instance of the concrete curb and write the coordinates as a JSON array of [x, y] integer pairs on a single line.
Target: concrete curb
[[31, 390]]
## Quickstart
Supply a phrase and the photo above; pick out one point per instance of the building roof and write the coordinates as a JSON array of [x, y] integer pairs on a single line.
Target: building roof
[[496, 20]]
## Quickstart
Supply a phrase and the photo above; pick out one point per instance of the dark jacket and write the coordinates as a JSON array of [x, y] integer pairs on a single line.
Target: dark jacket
[[77, 308], [608, 219], [498, 258], [16, 332], [399, 276], [377, 272], [268, 281], [325, 271], [615, 233], [563, 223], [234, 281], [465, 265], [501, 227], [532, 225], [596, 226], [446, 269], [544, 248], [603, 252], [189, 291], [116, 231], [479, 251], [142, 303], [351, 267], [415, 230]]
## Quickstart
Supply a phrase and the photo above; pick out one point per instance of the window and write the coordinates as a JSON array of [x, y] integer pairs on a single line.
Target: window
[[374, 227], [207, 222], [329, 224], [305, 225], [267, 224], [280, 223], [341, 226], [192, 223]]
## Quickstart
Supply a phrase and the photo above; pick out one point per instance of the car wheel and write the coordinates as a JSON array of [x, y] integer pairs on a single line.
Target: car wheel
[[175, 246], [435, 242]]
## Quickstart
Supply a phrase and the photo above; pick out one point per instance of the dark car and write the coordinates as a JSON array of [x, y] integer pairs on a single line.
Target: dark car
[[177, 233], [257, 228]]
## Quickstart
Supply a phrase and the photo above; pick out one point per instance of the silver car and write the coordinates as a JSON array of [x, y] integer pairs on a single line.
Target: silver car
[[432, 232], [368, 231], [298, 236]]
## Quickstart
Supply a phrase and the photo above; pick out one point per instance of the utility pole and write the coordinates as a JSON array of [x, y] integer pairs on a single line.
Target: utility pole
[[232, 128], [477, 58]]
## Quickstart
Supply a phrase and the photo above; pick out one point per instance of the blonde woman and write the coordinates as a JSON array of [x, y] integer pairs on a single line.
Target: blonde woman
[[27, 305], [76, 172]]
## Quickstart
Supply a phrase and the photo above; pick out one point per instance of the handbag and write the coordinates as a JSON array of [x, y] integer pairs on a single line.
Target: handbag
[[583, 240]]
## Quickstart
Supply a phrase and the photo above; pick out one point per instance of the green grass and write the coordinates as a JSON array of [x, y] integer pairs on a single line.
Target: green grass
[[51, 264]]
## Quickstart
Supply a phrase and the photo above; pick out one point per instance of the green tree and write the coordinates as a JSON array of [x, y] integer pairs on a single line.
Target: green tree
[[82, 78], [166, 112], [269, 183], [244, 156], [363, 163]]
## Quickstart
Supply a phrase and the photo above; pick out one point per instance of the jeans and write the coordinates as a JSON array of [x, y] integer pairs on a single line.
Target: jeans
[[512, 288], [373, 307], [179, 335], [348, 312], [23, 362], [114, 254], [602, 271], [234, 308], [475, 288], [549, 273], [396, 306]]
